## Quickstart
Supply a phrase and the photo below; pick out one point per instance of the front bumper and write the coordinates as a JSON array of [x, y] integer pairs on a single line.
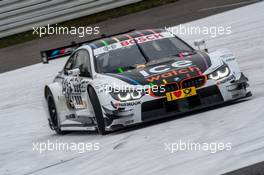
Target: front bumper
[[161, 108], [152, 108]]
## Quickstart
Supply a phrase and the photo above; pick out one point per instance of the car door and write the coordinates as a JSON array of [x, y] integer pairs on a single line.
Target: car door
[[78, 74]]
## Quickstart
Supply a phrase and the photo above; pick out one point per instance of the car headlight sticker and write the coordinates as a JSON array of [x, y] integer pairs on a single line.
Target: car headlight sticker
[[126, 96], [219, 73], [123, 96]]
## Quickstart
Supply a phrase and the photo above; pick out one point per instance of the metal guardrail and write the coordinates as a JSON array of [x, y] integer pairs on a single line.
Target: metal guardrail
[[18, 16]]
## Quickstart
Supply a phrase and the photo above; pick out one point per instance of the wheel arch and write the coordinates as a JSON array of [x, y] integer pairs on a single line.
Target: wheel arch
[[97, 109], [46, 91], [55, 89]]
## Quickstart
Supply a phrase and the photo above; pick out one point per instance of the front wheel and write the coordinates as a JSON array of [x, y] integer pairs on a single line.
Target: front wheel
[[97, 111], [53, 121]]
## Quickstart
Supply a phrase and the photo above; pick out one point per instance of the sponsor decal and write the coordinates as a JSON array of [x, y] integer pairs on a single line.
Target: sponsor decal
[[125, 104], [164, 68], [129, 42], [142, 39], [229, 78], [179, 94], [61, 51], [228, 57], [175, 72], [187, 91], [72, 88]]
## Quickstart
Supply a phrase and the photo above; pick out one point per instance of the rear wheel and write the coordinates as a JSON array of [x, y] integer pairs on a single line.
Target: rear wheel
[[53, 121], [97, 111]]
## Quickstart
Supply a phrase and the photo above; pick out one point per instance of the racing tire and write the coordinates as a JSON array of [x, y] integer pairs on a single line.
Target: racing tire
[[97, 111], [53, 121]]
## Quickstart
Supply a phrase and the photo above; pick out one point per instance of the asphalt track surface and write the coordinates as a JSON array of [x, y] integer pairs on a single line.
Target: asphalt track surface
[[183, 11], [256, 169]]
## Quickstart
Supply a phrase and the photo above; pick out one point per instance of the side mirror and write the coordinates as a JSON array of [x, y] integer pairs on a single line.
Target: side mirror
[[199, 44], [74, 72]]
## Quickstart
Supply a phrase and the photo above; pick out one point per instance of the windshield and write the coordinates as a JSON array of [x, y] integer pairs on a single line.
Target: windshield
[[164, 48], [128, 54], [123, 58]]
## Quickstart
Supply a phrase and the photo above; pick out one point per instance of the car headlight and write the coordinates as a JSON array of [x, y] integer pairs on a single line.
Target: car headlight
[[126, 96], [221, 72]]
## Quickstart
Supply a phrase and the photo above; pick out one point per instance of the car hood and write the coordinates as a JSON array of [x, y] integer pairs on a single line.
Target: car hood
[[167, 70]]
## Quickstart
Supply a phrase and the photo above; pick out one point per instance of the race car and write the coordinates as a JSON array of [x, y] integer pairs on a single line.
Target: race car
[[134, 77]]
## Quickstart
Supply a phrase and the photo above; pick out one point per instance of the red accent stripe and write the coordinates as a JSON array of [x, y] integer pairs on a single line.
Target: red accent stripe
[[152, 31], [128, 36]]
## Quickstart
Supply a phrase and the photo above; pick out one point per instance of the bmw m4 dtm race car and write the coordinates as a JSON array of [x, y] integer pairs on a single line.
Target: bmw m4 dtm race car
[[135, 77]]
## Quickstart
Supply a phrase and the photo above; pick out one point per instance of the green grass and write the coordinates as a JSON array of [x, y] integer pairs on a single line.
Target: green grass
[[88, 20]]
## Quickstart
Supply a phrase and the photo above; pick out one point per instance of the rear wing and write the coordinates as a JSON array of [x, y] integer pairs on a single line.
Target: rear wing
[[59, 52], [51, 54]]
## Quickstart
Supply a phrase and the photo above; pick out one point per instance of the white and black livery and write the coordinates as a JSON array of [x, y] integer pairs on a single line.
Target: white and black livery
[[135, 77]]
